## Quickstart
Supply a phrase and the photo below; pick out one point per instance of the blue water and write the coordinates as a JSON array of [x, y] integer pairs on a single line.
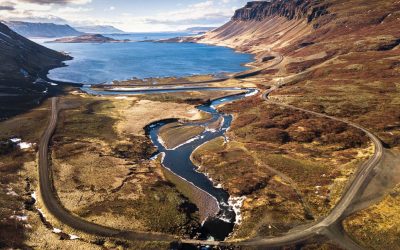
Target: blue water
[[103, 63]]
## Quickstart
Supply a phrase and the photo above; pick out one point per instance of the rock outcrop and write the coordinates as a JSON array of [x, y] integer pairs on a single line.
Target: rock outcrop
[[291, 9]]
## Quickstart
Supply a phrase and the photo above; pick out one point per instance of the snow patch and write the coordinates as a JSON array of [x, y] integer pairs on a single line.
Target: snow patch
[[41, 212], [3, 34], [33, 195], [73, 237], [121, 97], [15, 140], [19, 218], [56, 230], [236, 203], [25, 145], [252, 93]]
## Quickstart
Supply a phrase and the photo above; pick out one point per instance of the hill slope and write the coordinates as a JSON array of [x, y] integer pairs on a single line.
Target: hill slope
[[21, 62], [42, 29], [336, 57]]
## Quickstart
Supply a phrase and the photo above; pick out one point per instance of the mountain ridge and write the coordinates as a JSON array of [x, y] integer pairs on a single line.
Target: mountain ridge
[[49, 30], [22, 63]]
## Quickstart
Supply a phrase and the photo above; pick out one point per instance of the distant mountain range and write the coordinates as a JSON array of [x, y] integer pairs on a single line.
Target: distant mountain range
[[99, 29], [199, 30], [50, 30], [42, 29]]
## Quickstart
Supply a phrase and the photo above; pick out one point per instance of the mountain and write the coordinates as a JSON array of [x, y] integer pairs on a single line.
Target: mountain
[[199, 30], [99, 29], [92, 38], [28, 29], [339, 58], [21, 62]]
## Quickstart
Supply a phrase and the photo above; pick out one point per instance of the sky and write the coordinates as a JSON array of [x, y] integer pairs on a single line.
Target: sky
[[128, 15]]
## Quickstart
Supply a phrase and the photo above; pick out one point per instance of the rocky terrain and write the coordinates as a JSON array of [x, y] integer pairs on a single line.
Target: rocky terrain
[[42, 29], [21, 62], [95, 38]]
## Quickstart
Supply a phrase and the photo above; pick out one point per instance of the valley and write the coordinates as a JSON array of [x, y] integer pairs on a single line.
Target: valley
[[298, 151]]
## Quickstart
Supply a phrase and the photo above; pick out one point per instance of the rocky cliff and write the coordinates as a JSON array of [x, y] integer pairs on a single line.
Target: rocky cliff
[[289, 25], [42, 29], [291, 9]]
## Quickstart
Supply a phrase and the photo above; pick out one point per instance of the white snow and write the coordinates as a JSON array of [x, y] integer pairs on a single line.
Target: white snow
[[33, 195], [56, 230], [41, 212], [1, 33], [252, 93], [19, 218], [236, 203], [53, 84], [187, 142], [73, 237], [25, 145], [15, 140]]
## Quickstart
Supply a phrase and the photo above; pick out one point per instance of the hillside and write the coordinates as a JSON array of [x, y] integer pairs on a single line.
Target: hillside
[[42, 29], [335, 57], [325, 45], [22, 61]]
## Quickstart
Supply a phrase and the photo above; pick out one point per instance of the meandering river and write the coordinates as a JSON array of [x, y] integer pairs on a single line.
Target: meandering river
[[178, 160]]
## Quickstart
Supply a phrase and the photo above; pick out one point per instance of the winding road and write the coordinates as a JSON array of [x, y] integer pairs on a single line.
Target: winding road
[[54, 206], [326, 226]]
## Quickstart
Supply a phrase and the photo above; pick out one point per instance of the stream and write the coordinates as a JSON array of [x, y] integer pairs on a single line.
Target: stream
[[178, 160]]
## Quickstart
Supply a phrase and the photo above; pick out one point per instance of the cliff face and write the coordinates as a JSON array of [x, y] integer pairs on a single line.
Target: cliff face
[[291, 9], [42, 29], [286, 26]]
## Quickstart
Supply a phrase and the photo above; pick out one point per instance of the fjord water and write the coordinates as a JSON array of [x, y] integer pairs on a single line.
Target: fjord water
[[103, 63]]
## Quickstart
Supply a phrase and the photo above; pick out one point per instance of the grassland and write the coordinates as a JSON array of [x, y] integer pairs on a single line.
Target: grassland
[[377, 227], [175, 134], [291, 166], [104, 176]]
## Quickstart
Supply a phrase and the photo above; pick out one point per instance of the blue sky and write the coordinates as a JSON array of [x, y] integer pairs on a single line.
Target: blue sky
[[129, 15]]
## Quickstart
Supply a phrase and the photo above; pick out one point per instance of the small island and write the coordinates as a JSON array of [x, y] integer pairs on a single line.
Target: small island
[[89, 38]]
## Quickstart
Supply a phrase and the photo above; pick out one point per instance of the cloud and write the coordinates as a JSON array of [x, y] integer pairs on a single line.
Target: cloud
[[7, 7], [207, 12], [60, 2]]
